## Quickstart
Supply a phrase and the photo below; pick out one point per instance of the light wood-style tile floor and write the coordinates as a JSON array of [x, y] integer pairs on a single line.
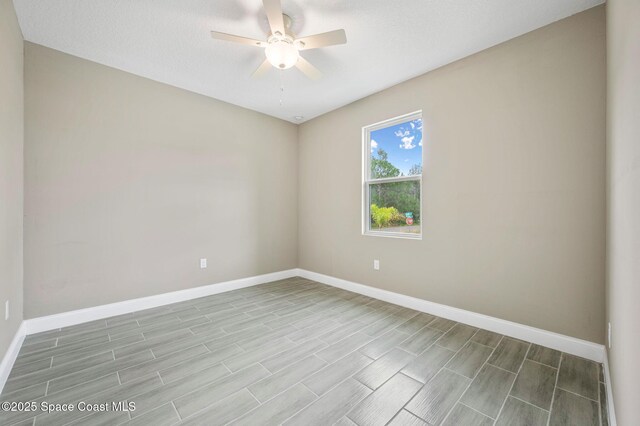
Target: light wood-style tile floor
[[297, 352]]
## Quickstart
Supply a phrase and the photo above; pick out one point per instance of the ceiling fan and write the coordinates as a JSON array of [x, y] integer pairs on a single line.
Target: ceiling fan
[[282, 48]]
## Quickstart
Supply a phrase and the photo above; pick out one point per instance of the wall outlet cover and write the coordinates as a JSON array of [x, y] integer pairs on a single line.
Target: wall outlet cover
[[203, 263], [376, 264]]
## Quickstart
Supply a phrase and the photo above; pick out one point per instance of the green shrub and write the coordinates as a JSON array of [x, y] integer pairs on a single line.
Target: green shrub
[[397, 218], [404, 196], [381, 216]]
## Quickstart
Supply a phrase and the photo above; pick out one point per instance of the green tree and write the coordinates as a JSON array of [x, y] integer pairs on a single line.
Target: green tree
[[404, 197], [416, 169], [381, 167]]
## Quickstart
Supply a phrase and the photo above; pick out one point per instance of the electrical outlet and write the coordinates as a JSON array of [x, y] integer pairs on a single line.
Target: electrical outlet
[[376, 264], [609, 335], [6, 310], [203, 263]]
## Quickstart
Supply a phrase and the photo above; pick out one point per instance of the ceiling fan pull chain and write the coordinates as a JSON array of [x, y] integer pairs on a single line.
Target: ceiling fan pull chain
[[281, 88]]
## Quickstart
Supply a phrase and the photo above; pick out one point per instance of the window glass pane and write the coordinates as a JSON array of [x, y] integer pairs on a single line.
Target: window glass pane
[[396, 150], [395, 207]]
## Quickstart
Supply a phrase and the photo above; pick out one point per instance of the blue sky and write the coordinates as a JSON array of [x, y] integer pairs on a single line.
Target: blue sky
[[403, 143]]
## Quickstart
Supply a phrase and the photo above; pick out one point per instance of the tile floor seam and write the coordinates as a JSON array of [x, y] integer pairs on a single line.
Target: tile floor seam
[[528, 403], [352, 376], [443, 331], [316, 400], [427, 348], [472, 380], [64, 375], [368, 386], [482, 344], [254, 397], [311, 390], [187, 392], [228, 369], [196, 413], [471, 408], [300, 382], [458, 323], [599, 400], [176, 410], [541, 363], [576, 394], [503, 369], [555, 386], [44, 351], [513, 383], [392, 418], [309, 404], [458, 374]]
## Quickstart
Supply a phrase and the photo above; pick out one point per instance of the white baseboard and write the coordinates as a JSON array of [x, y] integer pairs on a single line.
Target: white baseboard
[[11, 355], [571, 345], [609, 389], [65, 319]]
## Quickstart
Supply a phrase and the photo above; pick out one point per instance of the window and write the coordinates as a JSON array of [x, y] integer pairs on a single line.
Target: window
[[392, 174]]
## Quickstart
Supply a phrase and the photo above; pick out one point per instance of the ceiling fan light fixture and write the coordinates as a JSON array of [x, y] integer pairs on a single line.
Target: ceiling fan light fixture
[[281, 53], [282, 48]]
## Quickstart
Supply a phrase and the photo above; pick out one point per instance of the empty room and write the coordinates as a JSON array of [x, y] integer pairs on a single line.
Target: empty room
[[320, 212]]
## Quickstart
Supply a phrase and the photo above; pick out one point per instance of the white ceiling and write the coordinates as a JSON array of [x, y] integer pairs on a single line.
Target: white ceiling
[[388, 42]]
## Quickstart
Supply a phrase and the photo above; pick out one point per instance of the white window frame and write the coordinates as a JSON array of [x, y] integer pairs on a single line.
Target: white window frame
[[366, 177]]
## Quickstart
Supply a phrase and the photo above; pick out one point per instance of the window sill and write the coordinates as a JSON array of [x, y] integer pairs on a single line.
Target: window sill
[[402, 235]]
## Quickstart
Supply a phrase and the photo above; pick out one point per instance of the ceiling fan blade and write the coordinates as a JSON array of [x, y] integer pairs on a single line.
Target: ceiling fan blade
[[322, 40], [237, 39], [262, 69], [307, 69], [273, 9]]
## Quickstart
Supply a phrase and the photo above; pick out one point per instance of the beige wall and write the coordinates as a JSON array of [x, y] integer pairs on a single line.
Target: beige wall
[[623, 140], [11, 181], [130, 182], [514, 183]]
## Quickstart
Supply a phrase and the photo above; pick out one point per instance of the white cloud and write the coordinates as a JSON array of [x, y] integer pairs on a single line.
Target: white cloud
[[407, 142], [374, 145], [402, 133], [420, 143]]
